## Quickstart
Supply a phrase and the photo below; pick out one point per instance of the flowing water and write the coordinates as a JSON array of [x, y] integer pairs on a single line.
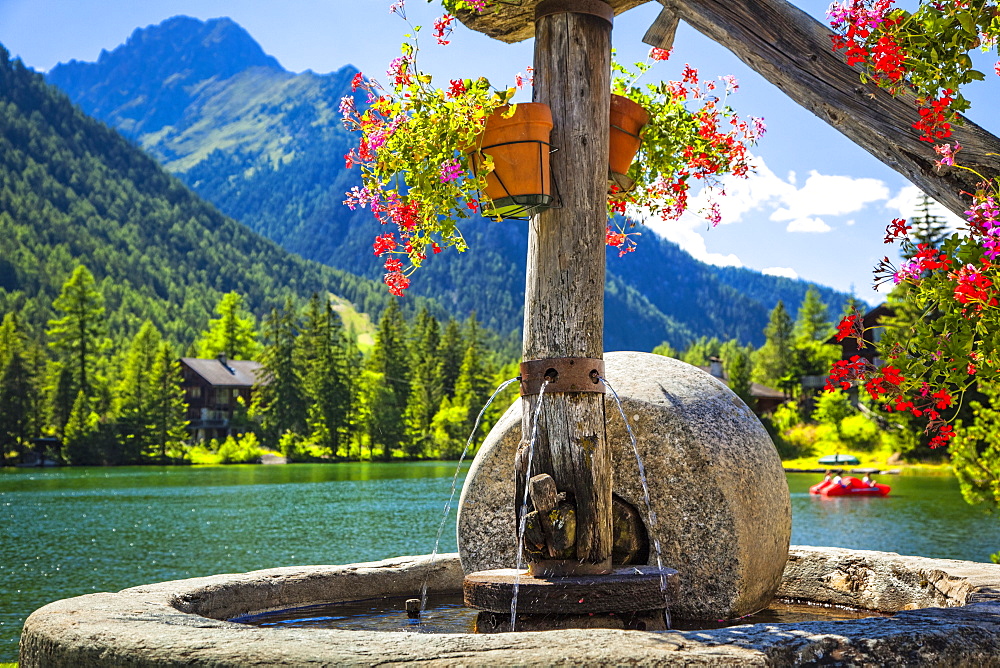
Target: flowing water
[[71, 531], [651, 514], [523, 522], [454, 484]]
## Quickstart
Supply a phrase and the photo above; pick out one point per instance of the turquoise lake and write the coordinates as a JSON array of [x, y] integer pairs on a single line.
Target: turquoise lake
[[67, 532]]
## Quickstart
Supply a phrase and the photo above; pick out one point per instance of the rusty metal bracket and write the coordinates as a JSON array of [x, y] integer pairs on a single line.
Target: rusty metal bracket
[[598, 8], [565, 374]]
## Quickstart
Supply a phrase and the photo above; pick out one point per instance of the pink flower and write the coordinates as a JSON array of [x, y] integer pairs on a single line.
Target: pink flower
[[450, 170], [947, 153]]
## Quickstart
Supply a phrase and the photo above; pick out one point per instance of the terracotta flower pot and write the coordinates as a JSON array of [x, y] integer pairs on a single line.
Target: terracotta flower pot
[[520, 183], [627, 119]]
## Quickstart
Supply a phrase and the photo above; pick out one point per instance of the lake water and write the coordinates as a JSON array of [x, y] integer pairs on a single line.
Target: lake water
[[66, 532]]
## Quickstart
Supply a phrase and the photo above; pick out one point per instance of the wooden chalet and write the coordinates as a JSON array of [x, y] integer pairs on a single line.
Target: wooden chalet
[[213, 389], [766, 399]]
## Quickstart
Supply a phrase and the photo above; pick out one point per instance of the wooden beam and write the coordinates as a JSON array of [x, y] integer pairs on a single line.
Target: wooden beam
[[793, 51], [514, 20], [564, 285]]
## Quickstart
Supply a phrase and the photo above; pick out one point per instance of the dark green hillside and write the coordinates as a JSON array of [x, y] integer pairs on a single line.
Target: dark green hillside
[[266, 146], [73, 191]]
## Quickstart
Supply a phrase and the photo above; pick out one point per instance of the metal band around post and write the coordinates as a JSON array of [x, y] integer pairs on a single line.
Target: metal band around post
[[565, 374], [598, 8]]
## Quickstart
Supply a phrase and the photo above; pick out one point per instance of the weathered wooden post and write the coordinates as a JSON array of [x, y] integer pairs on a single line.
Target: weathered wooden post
[[564, 291], [563, 351]]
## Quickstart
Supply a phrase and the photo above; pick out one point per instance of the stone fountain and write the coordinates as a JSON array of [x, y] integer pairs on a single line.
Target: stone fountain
[[715, 485], [720, 494]]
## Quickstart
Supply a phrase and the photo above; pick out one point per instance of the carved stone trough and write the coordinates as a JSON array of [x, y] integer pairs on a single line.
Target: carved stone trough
[[947, 614]]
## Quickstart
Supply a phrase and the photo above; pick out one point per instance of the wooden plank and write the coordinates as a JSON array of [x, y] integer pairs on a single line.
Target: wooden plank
[[564, 290], [514, 21], [793, 51], [626, 589]]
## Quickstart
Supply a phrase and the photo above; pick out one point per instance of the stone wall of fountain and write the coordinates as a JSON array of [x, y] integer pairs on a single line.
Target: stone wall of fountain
[[182, 623], [714, 478]]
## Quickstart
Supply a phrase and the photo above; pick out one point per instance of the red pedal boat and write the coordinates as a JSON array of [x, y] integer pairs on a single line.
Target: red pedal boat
[[849, 486]]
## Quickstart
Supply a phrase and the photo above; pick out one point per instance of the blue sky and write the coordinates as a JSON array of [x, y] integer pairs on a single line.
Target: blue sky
[[815, 209]]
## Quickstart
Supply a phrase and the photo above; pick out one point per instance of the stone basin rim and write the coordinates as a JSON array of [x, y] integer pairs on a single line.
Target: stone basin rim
[[171, 623]]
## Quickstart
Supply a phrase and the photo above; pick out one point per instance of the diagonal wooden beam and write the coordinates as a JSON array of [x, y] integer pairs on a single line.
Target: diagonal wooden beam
[[793, 51]]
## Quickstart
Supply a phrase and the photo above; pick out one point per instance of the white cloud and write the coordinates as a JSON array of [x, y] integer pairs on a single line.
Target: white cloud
[[817, 225], [907, 201], [787, 272], [801, 204], [824, 194]]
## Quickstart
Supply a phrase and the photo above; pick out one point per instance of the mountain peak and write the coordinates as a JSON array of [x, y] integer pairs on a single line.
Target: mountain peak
[[158, 69]]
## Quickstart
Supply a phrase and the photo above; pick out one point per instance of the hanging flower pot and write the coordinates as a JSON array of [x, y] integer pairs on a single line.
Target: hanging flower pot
[[627, 119], [520, 183]]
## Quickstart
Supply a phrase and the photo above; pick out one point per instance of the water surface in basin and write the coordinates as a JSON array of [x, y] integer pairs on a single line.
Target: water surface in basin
[[445, 613]]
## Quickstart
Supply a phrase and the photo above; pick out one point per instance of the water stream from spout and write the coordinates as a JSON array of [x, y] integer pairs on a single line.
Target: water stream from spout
[[649, 504], [454, 486], [522, 524]]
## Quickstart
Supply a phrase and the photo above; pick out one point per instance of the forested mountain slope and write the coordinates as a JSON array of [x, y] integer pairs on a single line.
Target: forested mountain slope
[[266, 146], [73, 191]]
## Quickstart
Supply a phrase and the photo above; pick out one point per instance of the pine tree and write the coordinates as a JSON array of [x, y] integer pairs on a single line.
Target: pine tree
[[328, 384], [390, 358], [79, 441], [167, 413], [233, 333], [17, 390], [135, 392], [774, 359], [812, 323], [450, 353], [927, 227], [279, 398], [472, 388], [426, 388], [9, 337], [60, 396], [80, 333], [812, 356], [738, 368]]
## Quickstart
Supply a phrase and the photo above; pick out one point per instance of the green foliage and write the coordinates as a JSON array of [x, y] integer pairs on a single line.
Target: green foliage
[[859, 433], [233, 333], [79, 439], [279, 397], [448, 429], [390, 360], [166, 418], [773, 361], [242, 449], [79, 334], [475, 377], [739, 369], [786, 416], [975, 451], [327, 358], [666, 350], [700, 350], [832, 408]]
